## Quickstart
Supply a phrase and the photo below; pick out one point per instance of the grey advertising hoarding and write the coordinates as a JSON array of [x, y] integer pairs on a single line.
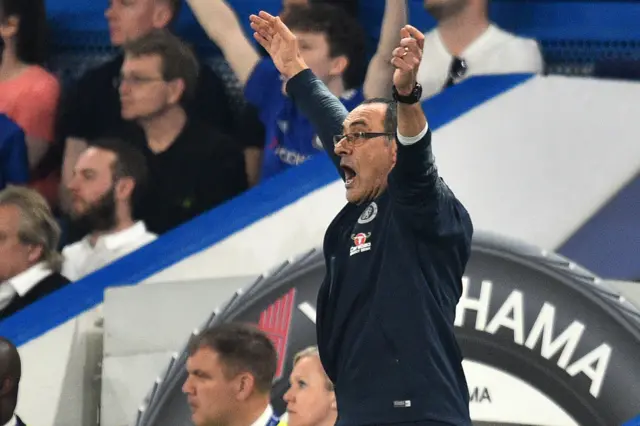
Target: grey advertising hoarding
[[527, 313]]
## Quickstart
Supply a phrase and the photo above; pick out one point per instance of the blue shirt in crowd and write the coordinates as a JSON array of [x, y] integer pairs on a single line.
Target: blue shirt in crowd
[[14, 162], [290, 138]]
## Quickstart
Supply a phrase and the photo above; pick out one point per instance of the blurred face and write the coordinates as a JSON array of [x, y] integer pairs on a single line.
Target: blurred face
[[212, 396], [314, 49], [442, 9], [366, 163], [143, 91], [8, 28], [15, 257], [131, 19], [309, 402], [92, 179]]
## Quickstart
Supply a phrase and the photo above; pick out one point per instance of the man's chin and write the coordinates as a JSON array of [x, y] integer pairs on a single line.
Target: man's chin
[[196, 420], [353, 196], [127, 116]]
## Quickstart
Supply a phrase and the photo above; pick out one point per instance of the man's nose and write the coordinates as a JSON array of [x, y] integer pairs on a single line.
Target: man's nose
[[109, 12], [187, 388], [72, 184], [342, 148]]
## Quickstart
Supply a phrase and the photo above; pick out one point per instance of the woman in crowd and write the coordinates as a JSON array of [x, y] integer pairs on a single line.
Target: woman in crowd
[[310, 398], [28, 93]]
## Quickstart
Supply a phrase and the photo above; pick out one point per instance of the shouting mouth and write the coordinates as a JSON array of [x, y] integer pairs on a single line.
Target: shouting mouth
[[349, 175]]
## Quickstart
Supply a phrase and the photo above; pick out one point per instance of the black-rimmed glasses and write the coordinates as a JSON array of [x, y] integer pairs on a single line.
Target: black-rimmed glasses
[[352, 138]]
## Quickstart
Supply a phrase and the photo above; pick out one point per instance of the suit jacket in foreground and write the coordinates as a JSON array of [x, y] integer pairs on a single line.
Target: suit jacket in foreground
[[46, 286]]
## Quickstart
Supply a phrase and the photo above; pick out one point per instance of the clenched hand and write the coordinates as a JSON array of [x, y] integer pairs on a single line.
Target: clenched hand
[[406, 59]]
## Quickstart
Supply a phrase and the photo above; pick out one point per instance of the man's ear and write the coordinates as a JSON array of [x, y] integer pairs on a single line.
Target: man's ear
[[124, 188], [339, 65], [162, 15], [176, 90], [7, 387], [245, 384], [35, 254]]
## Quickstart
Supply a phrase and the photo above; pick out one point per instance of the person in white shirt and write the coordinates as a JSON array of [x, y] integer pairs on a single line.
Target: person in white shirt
[[465, 43], [107, 180], [230, 370], [10, 373], [29, 258]]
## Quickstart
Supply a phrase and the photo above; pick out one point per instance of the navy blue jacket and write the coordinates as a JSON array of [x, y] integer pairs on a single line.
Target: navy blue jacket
[[386, 308], [14, 162]]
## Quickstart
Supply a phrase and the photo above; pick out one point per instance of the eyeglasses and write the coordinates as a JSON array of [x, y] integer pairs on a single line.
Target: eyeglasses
[[353, 138]]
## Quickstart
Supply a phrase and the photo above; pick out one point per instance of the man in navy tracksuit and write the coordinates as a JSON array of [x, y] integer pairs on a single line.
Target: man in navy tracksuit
[[395, 254]]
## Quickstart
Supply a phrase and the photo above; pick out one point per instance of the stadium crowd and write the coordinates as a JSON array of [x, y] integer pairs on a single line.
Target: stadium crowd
[[154, 137]]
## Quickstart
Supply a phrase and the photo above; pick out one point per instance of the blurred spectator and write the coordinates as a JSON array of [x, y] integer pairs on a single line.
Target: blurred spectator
[[349, 6], [311, 400], [10, 374], [108, 180], [92, 108], [333, 45], [28, 93], [14, 162], [192, 166], [230, 369], [465, 43], [29, 260]]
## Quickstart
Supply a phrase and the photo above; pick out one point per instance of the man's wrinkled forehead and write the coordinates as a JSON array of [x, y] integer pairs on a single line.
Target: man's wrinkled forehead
[[365, 117]]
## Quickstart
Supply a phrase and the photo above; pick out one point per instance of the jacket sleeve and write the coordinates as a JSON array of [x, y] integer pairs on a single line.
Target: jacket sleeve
[[17, 171], [324, 110], [422, 198]]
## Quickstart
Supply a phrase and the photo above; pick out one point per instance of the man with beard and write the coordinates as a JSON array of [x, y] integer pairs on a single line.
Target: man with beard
[[106, 183], [466, 43]]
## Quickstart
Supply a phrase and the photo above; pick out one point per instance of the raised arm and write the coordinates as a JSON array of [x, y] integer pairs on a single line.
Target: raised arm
[[377, 83], [420, 195], [325, 111], [221, 24]]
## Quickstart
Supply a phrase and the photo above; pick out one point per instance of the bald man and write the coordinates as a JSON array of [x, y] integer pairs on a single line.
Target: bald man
[[10, 372]]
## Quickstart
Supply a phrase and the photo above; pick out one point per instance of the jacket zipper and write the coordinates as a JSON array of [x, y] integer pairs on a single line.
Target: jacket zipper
[[332, 263]]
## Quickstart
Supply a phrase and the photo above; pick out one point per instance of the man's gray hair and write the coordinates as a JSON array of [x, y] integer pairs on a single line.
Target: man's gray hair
[[38, 227]]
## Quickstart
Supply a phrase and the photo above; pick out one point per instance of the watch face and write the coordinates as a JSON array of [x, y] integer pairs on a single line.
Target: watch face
[[417, 91]]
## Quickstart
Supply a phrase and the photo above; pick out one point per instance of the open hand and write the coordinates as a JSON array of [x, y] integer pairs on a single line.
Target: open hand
[[406, 59], [279, 42]]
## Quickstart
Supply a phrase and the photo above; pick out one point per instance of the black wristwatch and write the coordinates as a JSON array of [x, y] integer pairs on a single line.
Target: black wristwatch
[[412, 98]]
